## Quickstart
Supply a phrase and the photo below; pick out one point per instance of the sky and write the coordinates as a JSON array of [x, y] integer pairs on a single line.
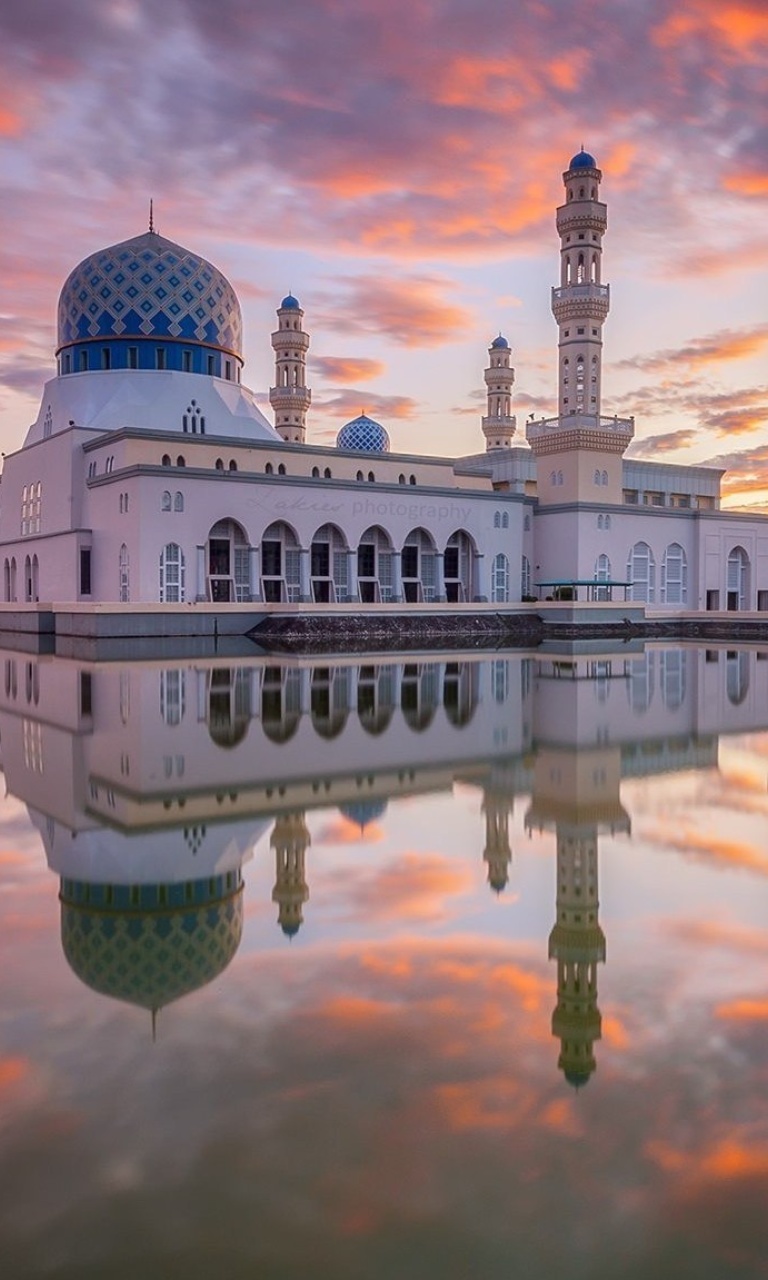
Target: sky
[[397, 166]]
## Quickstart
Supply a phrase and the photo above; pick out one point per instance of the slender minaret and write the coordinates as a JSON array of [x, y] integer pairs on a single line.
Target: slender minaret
[[499, 422], [290, 397], [498, 804], [290, 841], [579, 453]]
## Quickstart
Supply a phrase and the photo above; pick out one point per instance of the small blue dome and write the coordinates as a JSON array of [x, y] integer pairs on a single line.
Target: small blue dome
[[362, 812], [583, 160], [289, 303], [500, 342], [363, 434]]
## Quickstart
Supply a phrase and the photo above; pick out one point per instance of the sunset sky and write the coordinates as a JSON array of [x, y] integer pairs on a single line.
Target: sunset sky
[[397, 166]]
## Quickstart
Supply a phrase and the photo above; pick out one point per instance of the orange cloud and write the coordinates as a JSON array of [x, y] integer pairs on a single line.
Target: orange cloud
[[410, 311], [714, 933], [743, 1011], [726, 1160], [493, 1103], [355, 1010], [415, 886], [747, 184], [12, 1072], [348, 368], [731, 853], [560, 1117]]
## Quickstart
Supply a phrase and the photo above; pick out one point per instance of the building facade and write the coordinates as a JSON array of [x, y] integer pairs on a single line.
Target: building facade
[[151, 475]]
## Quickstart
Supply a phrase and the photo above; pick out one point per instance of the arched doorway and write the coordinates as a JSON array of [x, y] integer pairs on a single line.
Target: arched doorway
[[418, 567], [329, 700], [280, 564], [457, 567], [737, 583], [227, 557], [375, 698], [419, 694], [229, 704], [374, 566], [280, 702], [328, 566]]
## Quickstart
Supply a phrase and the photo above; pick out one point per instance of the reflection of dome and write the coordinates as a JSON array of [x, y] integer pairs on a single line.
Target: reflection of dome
[[150, 944], [363, 812], [577, 1078], [500, 342], [583, 160], [363, 434], [144, 289], [289, 303]]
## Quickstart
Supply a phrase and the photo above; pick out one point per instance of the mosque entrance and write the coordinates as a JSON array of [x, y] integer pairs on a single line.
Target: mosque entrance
[[227, 559]]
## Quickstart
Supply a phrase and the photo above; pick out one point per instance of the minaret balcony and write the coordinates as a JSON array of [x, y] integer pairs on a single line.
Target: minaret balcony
[[499, 422], [295, 339], [289, 397], [571, 301], [586, 430]]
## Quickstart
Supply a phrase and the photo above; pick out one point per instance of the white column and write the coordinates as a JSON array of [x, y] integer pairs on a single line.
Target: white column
[[397, 577], [254, 572], [201, 592], [440, 576], [305, 593], [352, 587], [480, 583]]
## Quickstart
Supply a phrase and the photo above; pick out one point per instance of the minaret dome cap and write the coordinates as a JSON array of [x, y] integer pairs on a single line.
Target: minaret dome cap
[[500, 342], [583, 160], [289, 303]]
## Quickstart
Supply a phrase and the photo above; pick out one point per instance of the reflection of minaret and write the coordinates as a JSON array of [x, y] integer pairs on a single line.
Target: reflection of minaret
[[577, 793], [290, 841], [577, 943], [498, 802]]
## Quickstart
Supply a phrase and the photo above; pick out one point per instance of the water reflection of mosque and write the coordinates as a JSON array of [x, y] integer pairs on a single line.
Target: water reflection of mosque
[[151, 784]]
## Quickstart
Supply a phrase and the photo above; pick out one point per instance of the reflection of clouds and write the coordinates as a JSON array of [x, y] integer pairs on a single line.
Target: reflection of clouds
[[707, 846], [412, 886]]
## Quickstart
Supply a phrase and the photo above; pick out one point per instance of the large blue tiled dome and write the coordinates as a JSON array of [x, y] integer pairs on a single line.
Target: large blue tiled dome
[[146, 290], [364, 434]]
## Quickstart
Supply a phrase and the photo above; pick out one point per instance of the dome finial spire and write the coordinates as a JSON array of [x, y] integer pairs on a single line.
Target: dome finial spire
[[151, 215]]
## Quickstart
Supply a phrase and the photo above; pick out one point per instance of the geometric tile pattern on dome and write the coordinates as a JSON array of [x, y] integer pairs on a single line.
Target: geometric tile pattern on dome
[[365, 434], [155, 958], [150, 287]]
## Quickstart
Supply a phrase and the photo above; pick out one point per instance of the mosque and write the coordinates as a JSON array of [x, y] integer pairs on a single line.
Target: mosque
[[151, 476]]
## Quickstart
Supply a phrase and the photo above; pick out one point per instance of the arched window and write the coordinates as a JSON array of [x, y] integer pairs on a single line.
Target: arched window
[[181, 461], [268, 470], [401, 478], [525, 576], [497, 519], [597, 477], [281, 469], [315, 473], [359, 476], [604, 477], [6, 579], [327, 473], [500, 583], [166, 460], [553, 477], [607, 522], [232, 464], [526, 524], [599, 522], [124, 576], [559, 477], [27, 579], [580, 272], [737, 583], [505, 520], [371, 477], [178, 501], [412, 480], [641, 572], [219, 464], [737, 675], [165, 503], [674, 575], [602, 575], [172, 574]]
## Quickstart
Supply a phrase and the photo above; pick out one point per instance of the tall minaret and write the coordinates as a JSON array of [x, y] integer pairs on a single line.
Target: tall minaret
[[499, 422], [579, 453], [290, 841], [290, 396], [578, 944]]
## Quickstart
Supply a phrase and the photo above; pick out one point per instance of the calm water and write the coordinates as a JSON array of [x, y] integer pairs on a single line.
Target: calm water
[[413, 968]]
